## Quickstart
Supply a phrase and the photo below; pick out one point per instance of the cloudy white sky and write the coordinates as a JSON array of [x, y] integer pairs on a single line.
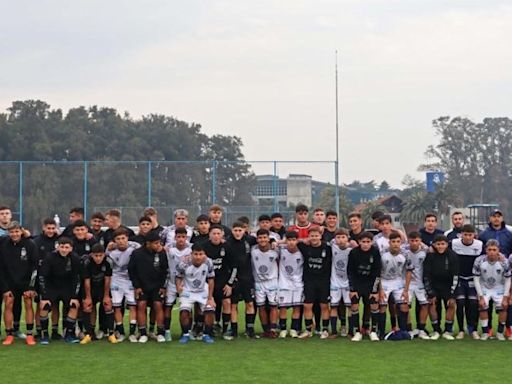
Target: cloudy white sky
[[264, 70]]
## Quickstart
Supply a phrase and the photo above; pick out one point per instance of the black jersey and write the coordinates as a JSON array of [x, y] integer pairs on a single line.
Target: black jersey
[[224, 262], [199, 238], [440, 272], [83, 247], [18, 264], [60, 274], [317, 261], [428, 238], [241, 250], [108, 235], [45, 244], [96, 273], [327, 236], [148, 270], [363, 269]]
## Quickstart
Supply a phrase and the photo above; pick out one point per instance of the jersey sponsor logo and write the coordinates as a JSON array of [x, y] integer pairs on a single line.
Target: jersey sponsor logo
[[87, 247], [324, 254], [222, 252]]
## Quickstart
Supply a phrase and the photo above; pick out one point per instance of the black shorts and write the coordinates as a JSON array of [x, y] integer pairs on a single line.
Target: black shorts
[[56, 296], [443, 294], [150, 296], [97, 296], [243, 290], [466, 290], [218, 294], [317, 291]]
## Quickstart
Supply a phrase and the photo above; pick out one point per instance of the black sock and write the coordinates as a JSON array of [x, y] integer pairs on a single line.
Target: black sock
[[249, 322], [354, 322], [296, 324], [436, 326], [448, 326], [392, 321], [501, 327], [334, 326], [160, 330], [167, 323], [133, 328], [152, 327], [109, 322], [70, 326], [185, 328], [208, 330], [143, 331], [86, 321], [9, 331], [343, 320], [382, 323], [55, 328], [120, 328], [460, 314], [309, 324], [421, 326], [234, 329], [374, 315], [282, 324], [325, 325], [30, 328], [38, 330], [225, 322], [44, 327], [402, 320], [266, 327], [16, 325], [409, 327]]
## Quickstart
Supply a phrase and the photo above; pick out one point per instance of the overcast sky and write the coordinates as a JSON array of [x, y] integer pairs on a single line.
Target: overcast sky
[[264, 70]]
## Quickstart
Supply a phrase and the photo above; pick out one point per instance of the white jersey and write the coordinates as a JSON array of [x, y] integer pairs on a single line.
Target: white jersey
[[339, 276], [394, 266], [416, 259], [381, 242], [264, 264], [195, 278], [492, 274], [474, 249], [273, 235], [169, 234], [290, 269], [174, 257], [120, 260]]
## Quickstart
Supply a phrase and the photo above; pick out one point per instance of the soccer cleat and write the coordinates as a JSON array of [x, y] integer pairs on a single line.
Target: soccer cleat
[[357, 337], [44, 341], [414, 333], [20, 335], [435, 336], [423, 335], [56, 336], [324, 335], [460, 335], [120, 337], [475, 335], [30, 340], [343, 331], [305, 335], [283, 334], [217, 329], [160, 339], [100, 334], [86, 340], [133, 339], [294, 334], [317, 332], [168, 336], [448, 336], [9, 340], [152, 335], [485, 336], [333, 336], [112, 339], [184, 339], [374, 336], [208, 339], [228, 336], [500, 336], [71, 339], [143, 339], [80, 335]]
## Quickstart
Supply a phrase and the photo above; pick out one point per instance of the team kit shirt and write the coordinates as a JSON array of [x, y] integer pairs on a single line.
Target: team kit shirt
[[416, 287], [168, 235], [381, 242], [97, 274], [224, 264], [291, 285], [265, 272], [364, 270], [121, 286], [195, 287], [492, 279], [174, 257], [18, 265], [392, 276], [60, 277], [339, 278], [467, 254]]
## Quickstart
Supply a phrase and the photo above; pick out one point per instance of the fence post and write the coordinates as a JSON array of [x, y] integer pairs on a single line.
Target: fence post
[[20, 203], [150, 192], [214, 181], [274, 188], [86, 169]]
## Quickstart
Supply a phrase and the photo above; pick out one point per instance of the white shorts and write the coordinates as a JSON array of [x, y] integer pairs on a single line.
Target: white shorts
[[122, 289], [170, 295], [290, 297], [395, 288], [264, 291], [337, 294], [496, 294], [419, 293], [189, 299]]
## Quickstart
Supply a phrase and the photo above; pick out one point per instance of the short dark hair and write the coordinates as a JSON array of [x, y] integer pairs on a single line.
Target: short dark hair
[[318, 210], [113, 212], [331, 213], [198, 247], [276, 215], [4, 208], [119, 232], [383, 218], [237, 224], [97, 248], [365, 235], [79, 210], [314, 229], [80, 223], [394, 235], [377, 214], [65, 240], [414, 235], [262, 232], [180, 231], [202, 217], [457, 213], [440, 238], [49, 221], [97, 215], [145, 218], [468, 228], [264, 218], [243, 219], [355, 214], [430, 214], [216, 226], [301, 208], [291, 235], [342, 231]]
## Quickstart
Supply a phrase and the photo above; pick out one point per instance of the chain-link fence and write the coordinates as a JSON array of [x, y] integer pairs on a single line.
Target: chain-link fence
[[36, 190]]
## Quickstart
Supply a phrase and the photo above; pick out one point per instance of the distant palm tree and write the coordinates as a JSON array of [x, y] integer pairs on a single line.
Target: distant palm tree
[[366, 213], [416, 206]]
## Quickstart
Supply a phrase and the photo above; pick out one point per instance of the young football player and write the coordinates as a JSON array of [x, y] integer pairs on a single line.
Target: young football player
[[180, 221], [291, 285], [215, 217], [440, 276], [145, 225], [430, 231], [492, 282], [331, 224], [340, 294], [195, 284], [363, 271], [265, 273], [97, 275], [148, 271], [277, 222], [202, 230]]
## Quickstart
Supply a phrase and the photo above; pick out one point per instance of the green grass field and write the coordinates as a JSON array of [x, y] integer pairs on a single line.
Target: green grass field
[[262, 361]]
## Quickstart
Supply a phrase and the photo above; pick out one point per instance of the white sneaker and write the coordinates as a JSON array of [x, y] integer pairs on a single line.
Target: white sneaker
[[20, 335], [283, 333], [324, 335], [160, 339], [374, 336], [435, 336], [357, 337], [100, 334], [168, 336], [485, 336], [293, 334], [133, 339], [475, 335], [143, 339], [414, 333], [500, 336], [423, 335], [120, 338], [305, 335], [152, 335], [343, 331], [448, 336], [460, 335]]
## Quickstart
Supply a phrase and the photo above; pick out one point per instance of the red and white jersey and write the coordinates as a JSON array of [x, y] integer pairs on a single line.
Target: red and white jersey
[[302, 231]]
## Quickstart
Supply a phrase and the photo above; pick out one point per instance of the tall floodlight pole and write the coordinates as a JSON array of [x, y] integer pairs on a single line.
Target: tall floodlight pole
[[337, 163]]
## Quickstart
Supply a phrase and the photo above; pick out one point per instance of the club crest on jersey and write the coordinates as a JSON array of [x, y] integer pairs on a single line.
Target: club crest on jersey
[[23, 254], [262, 269], [68, 265], [56, 245], [324, 253], [196, 283], [340, 264], [203, 273], [271, 259], [371, 259], [288, 269], [247, 247], [491, 281], [87, 247], [222, 252], [156, 260], [103, 269]]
